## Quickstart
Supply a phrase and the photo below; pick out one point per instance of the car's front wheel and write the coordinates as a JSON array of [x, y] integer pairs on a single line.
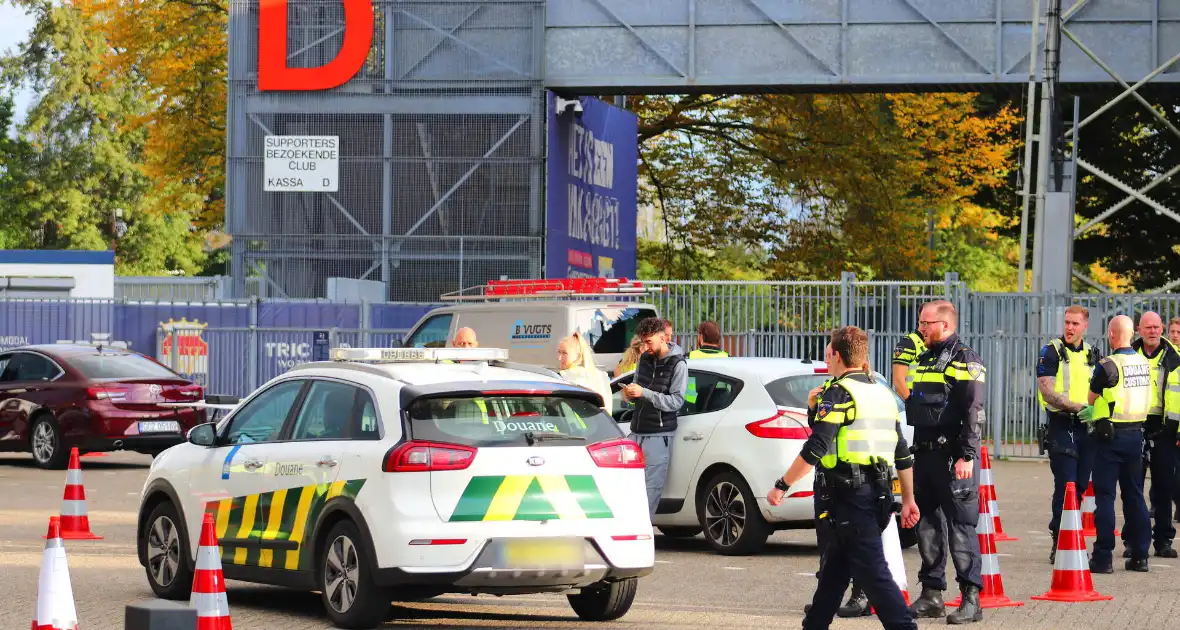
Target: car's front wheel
[[351, 598], [166, 550], [46, 444], [604, 601], [728, 513]]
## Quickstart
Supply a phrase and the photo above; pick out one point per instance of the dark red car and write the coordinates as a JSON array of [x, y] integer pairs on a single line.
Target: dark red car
[[53, 397]]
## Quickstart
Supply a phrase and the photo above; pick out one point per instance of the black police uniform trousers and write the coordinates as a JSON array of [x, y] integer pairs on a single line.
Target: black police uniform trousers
[[854, 551], [1162, 450], [950, 514], [1071, 458], [1119, 460]]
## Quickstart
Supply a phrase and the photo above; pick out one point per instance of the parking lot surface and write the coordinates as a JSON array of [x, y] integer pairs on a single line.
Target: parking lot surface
[[692, 587]]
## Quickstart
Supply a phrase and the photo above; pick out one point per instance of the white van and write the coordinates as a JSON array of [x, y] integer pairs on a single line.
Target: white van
[[531, 329]]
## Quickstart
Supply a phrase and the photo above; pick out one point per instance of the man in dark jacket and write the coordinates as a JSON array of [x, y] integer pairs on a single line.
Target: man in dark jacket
[[661, 379]]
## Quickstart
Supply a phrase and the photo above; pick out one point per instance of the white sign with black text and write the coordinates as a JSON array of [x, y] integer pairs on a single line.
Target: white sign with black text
[[301, 163]]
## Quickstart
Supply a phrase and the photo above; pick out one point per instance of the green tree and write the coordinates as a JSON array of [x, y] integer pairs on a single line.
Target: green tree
[[84, 161]]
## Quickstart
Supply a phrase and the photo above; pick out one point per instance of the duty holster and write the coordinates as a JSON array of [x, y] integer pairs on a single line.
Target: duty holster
[[849, 477], [1043, 438]]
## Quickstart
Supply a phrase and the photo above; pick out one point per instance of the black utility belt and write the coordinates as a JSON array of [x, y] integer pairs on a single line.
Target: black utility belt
[[1064, 420], [941, 444], [851, 476], [1127, 426]]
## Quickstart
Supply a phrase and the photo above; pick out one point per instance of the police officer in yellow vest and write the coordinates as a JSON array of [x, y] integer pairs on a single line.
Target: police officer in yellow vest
[[905, 361], [1120, 395], [708, 342], [1063, 384], [856, 439], [1159, 434]]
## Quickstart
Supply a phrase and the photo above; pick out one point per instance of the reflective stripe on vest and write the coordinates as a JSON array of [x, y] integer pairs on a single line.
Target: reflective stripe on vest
[[1074, 380], [1157, 380], [1172, 396], [1131, 395], [707, 353], [919, 348], [872, 434]]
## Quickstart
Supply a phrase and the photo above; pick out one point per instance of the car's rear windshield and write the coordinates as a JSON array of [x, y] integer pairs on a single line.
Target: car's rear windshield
[[792, 391], [119, 366], [510, 420]]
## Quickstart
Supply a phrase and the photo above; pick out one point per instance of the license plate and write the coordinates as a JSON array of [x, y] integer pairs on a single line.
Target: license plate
[[896, 486], [542, 553], [161, 426]]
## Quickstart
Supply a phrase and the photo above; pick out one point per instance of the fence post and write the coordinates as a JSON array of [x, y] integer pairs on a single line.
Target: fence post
[[999, 411], [847, 282], [951, 280], [159, 614], [252, 349], [366, 337]]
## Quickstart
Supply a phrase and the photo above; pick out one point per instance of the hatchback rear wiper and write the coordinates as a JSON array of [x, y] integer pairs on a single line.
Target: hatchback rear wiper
[[547, 437]]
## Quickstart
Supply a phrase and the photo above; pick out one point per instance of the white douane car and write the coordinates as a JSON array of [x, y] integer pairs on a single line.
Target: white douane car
[[746, 425], [407, 473]]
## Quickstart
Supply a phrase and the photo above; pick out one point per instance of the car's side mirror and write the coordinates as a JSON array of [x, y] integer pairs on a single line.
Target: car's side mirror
[[203, 434]]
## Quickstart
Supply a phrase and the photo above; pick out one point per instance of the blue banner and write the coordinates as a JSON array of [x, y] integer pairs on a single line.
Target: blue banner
[[590, 209]]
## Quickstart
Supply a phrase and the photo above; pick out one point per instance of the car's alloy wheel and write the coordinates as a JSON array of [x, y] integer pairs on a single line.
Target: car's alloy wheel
[[163, 551], [728, 514], [341, 574], [45, 442]]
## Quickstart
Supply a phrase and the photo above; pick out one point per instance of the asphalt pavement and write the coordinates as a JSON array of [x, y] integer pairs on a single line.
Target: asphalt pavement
[[692, 587]]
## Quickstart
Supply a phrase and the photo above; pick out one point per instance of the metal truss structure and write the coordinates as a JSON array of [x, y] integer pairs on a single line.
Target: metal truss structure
[[443, 130]]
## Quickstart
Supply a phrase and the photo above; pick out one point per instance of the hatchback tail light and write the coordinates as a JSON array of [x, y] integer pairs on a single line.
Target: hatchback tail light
[[780, 426], [106, 393], [418, 456], [619, 453], [195, 392]]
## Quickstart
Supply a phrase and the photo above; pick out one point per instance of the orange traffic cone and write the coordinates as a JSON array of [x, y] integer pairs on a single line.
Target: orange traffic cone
[[1089, 505], [75, 524], [992, 595], [208, 595], [988, 487], [55, 594], [1071, 570]]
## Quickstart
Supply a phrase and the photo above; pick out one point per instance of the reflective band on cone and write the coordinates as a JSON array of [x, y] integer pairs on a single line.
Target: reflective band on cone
[[992, 595], [1071, 569], [208, 595], [1089, 506], [55, 594], [988, 487], [75, 524]]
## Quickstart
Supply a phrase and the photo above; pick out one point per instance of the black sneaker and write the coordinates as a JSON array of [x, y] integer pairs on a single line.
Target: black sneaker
[[1101, 567], [1165, 551], [1137, 564]]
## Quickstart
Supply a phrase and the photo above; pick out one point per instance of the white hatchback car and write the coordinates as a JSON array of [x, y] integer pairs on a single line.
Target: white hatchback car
[[746, 425], [399, 474]]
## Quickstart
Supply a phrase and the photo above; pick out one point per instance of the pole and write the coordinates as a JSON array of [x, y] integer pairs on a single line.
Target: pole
[[1030, 115], [1048, 103]]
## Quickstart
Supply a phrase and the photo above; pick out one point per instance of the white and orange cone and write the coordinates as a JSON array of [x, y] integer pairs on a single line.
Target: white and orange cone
[[1089, 506], [208, 595], [75, 523], [55, 593], [992, 595], [1071, 568], [891, 541], [988, 487]]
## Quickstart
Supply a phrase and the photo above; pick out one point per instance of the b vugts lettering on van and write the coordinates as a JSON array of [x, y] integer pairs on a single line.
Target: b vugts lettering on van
[[522, 330]]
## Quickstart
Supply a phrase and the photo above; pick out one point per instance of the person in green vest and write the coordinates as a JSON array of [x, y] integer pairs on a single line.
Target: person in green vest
[[708, 342], [905, 361], [1160, 436]]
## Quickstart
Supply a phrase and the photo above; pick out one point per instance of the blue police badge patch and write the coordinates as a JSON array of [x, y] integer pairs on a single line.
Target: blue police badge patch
[[975, 369], [823, 410]]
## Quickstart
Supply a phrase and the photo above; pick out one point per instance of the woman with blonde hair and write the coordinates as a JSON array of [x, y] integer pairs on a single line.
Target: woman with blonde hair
[[576, 364], [630, 358]]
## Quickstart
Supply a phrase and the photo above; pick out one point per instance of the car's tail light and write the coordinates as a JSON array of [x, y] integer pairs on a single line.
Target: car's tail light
[[780, 426], [428, 456], [195, 392], [106, 393], [619, 453]]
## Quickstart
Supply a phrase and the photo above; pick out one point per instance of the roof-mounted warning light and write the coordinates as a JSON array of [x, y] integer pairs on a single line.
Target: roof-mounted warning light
[[553, 288], [417, 355]]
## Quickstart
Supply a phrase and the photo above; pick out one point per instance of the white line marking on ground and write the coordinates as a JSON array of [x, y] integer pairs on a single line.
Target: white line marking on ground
[[734, 568]]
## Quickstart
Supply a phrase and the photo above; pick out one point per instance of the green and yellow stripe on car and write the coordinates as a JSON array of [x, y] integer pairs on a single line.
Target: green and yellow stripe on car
[[531, 498], [282, 515]]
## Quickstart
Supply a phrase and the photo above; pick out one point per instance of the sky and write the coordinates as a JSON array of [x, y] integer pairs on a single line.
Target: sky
[[14, 28]]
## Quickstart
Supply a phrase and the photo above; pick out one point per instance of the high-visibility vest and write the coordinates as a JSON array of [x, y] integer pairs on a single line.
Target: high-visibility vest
[[1074, 369], [872, 434], [1157, 378], [1172, 396], [707, 353], [1130, 396], [919, 348]]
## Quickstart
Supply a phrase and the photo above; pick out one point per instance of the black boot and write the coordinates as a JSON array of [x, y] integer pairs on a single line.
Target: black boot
[[1136, 564], [1165, 551], [857, 606], [969, 609], [1053, 551], [928, 605]]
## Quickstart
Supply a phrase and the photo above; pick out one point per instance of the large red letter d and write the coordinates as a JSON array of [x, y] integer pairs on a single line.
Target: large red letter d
[[273, 73]]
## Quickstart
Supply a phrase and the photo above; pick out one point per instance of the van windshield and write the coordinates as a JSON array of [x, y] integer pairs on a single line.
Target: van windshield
[[609, 328]]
